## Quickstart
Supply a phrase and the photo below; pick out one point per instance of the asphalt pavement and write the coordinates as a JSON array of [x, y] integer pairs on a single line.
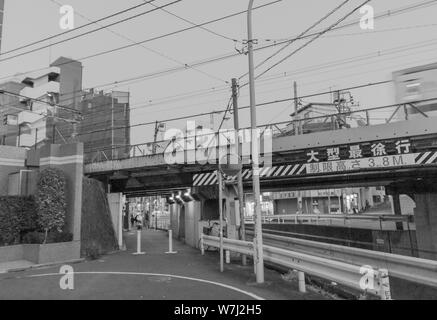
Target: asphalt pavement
[[186, 275]]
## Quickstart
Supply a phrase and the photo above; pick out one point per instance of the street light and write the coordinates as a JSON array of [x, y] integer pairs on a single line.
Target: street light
[[259, 263]]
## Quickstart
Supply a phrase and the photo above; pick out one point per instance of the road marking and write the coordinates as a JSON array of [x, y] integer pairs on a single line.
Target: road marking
[[254, 296]]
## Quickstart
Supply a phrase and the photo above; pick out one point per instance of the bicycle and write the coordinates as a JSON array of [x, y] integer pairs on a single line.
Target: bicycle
[[212, 230]]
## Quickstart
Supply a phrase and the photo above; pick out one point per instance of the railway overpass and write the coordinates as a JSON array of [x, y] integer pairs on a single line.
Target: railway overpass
[[402, 156]]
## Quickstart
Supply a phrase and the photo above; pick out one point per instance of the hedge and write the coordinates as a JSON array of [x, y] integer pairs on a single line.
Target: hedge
[[17, 217]]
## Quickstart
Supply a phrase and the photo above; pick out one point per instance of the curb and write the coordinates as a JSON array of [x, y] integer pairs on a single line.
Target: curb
[[36, 266]]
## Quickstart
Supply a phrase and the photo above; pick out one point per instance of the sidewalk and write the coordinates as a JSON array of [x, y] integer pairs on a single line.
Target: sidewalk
[[183, 276]]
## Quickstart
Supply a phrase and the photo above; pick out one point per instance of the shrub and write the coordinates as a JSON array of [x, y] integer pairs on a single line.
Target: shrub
[[51, 200], [57, 237], [17, 216], [34, 237]]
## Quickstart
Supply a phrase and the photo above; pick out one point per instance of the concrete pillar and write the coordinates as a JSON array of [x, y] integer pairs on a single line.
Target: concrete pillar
[[115, 201], [69, 159], [425, 215]]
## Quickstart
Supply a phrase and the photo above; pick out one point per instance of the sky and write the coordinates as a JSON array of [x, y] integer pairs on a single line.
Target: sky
[[375, 54]]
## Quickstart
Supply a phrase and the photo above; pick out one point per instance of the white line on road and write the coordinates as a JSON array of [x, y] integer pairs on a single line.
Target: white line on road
[[157, 275]]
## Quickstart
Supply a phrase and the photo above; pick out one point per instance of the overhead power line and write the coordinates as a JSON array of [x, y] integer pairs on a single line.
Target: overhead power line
[[77, 28], [240, 108], [290, 42], [389, 13], [195, 24], [88, 32], [154, 51], [313, 39]]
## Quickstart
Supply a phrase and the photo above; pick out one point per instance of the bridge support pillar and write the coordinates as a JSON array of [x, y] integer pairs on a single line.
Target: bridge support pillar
[[397, 209], [426, 224], [115, 201]]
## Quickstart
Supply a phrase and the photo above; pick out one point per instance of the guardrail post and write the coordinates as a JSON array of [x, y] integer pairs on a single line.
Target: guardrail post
[[254, 255], [228, 256], [301, 278], [384, 284]]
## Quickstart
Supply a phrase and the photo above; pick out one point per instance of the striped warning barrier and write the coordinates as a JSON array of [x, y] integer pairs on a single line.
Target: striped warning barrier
[[427, 157], [210, 178]]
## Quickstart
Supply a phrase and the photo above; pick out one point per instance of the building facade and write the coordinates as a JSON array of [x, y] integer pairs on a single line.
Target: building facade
[[51, 106], [104, 128], [36, 109]]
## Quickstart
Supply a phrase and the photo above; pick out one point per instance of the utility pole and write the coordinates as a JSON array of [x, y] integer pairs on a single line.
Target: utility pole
[[297, 130], [155, 138], [220, 196], [296, 110], [239, 174], [255, 153], [112, 125]]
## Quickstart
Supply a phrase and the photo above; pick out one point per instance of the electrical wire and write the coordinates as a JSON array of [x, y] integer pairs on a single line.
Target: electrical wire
[[161, 54], [77, 28], [88, 32], [313, 39]]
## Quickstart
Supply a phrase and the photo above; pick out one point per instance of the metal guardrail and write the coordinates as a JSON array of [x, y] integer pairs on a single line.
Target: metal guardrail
[[421, 271], [340, 272]]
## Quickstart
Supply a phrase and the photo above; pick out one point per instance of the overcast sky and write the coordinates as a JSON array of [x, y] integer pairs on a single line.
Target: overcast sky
[[30, 20]]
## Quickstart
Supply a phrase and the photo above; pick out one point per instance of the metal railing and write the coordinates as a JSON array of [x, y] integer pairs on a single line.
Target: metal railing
[[416, 270], [327, 219], [348, 274], [161, 222], [331, 121]]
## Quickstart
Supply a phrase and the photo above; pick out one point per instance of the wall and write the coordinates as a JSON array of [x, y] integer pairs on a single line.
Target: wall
[[97, 229], [401, 242], [12, 160], [425, 216], [69, 159]]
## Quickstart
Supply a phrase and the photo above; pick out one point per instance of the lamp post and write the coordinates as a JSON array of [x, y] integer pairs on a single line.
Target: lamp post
[[255, 153]]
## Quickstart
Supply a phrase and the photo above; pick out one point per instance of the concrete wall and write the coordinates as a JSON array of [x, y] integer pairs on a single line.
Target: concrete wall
[[11, 253], [40, 254], [425, 215], [12, 160], [186, 218]]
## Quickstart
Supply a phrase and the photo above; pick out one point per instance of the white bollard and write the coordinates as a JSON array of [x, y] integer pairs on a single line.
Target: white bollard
[[139, 243], [228, 257], [170, 242], [301, 277], [202, 245]]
